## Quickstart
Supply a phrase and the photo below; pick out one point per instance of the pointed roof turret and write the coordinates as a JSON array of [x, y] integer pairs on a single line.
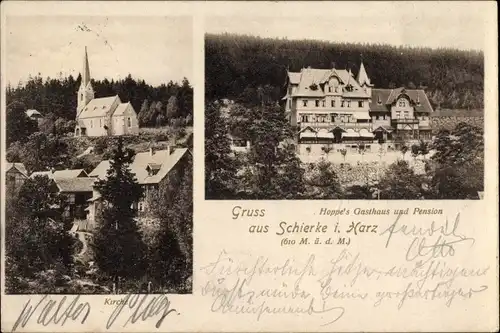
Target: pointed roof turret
[[86, 70], [362, 76]]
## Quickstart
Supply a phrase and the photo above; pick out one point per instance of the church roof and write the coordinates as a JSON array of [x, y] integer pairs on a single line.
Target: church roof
[[121, 109], [162, 159], [99, 107]]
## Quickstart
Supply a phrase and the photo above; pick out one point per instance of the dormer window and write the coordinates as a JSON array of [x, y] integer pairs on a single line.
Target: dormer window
[[153, 168], [379, 101]]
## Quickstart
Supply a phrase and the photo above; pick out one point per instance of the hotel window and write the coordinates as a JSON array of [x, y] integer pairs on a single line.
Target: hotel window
[[348, 104], [129, 122], [406, 113], [329, 89], [333, 118], [317, 103], [360, 104], [342, 103], [377, 117], [333, 103], [304, 102], [289, 103], [323, 103], [336, 89], [398, 114]]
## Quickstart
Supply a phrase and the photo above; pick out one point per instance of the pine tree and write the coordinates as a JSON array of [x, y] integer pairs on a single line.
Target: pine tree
[[119, 248], [220, 170]]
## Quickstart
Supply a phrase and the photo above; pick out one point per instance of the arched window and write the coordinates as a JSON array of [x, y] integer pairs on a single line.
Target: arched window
[[402, 103]]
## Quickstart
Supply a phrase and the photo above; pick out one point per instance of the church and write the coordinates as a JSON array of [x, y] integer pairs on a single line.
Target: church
[[102, 116]]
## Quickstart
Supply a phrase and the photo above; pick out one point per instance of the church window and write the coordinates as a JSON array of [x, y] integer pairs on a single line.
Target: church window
[[360, 104], [129, 122]]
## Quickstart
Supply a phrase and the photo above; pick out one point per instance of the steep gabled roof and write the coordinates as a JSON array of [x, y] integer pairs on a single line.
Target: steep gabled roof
[[18, 166], [139, 167], [82, 184], [120, 110], [389, 96], [61, 174], [309, 76]]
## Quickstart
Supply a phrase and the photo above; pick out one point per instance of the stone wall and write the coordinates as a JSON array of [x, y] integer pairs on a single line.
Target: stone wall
[[449, 119]]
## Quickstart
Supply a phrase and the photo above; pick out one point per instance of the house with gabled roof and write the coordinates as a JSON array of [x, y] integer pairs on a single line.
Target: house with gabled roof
[[75, 185], [15, 175], [334, 106], [151, 170], [102, 116]]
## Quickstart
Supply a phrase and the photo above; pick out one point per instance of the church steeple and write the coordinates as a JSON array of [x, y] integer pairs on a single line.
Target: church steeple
[[86, 92], [86, 69]]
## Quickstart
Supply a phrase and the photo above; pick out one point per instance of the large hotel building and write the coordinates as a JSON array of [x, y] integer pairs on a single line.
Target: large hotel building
[[333, 106]]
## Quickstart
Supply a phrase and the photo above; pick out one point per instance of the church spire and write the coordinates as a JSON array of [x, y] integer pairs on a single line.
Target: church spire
[[85, 93], [86, 69]]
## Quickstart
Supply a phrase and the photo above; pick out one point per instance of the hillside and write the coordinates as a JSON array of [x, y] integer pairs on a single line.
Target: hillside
[[235, 64]]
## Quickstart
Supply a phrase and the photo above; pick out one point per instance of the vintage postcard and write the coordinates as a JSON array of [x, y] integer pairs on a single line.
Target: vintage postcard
[[249, 166]]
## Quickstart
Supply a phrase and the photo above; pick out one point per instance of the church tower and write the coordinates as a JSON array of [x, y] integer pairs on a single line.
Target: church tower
[[86, 92]]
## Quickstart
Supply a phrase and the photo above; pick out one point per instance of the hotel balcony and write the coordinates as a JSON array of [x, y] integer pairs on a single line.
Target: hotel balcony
[[334, 124], [405, 120]]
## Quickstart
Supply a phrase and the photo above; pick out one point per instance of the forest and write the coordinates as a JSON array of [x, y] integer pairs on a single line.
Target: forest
[[236, 64], [56, 97]]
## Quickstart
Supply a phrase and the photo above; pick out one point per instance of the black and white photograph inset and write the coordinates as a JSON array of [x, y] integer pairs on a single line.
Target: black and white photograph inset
[[339, 107], [99, 138]]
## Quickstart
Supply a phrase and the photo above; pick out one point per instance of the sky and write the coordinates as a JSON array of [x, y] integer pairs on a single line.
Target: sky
[[435, 25], [156, 49]]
